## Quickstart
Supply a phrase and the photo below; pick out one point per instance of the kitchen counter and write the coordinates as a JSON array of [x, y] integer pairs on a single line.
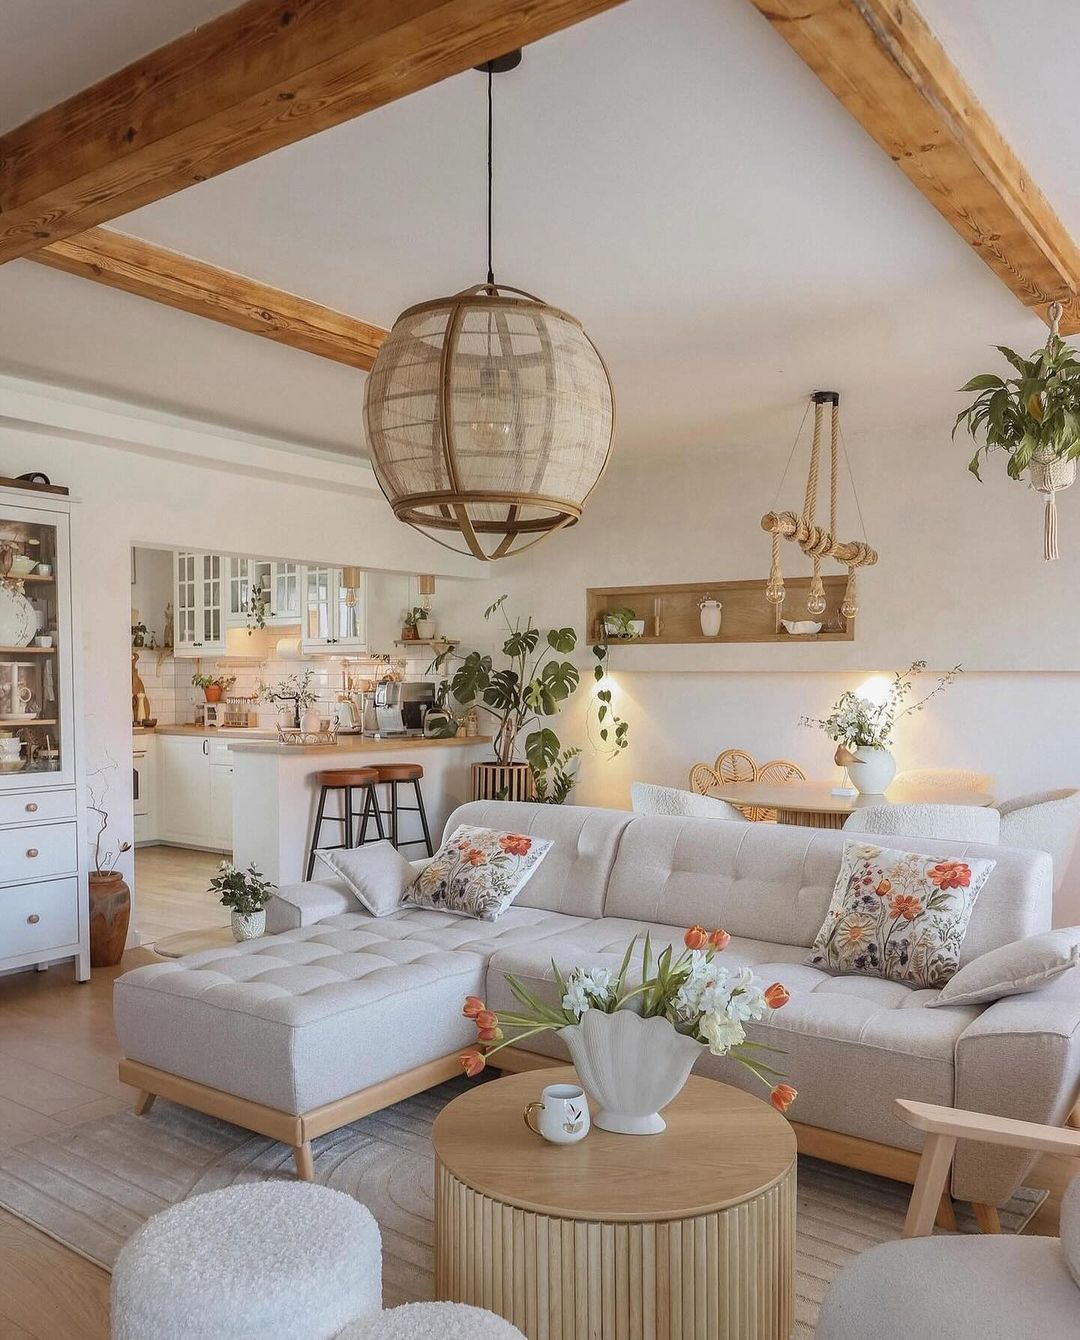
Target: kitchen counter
[[276, 790], [211, 732]]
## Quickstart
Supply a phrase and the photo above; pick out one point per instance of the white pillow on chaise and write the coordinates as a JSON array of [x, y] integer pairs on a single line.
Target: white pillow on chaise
[[377, 874]]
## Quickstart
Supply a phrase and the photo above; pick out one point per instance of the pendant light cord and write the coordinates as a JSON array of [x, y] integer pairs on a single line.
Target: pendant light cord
[[490, 156]]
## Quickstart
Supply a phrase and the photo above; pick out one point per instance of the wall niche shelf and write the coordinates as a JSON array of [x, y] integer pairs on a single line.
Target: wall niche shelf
[[747, 615]]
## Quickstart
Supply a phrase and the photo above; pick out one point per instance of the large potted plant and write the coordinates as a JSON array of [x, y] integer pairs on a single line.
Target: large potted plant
[[520, 697], [635, 1039], [863, 728], [1034, 417]]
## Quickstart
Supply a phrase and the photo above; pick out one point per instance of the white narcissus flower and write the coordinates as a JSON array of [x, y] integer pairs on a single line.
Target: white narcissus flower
[[721, 1033], [587, 988]]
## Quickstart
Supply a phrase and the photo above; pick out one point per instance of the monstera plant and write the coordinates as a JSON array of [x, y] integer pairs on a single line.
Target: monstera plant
[[524, 693]]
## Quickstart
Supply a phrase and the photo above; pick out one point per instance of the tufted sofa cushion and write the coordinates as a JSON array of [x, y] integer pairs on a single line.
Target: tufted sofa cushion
[[300, 1019], [848, 1044]]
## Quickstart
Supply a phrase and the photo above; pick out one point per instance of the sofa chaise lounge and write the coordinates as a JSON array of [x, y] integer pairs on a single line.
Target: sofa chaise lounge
[[338, 1013]]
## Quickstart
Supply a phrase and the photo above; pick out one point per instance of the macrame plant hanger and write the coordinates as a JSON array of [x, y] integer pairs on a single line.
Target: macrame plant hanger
[[1049, 473], [816, 541]]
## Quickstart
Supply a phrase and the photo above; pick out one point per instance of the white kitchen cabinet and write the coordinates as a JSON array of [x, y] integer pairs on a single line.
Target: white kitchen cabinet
[[284, 593], [44, 914], [200, 595], [195, 792], [144, 786], [334, 615]]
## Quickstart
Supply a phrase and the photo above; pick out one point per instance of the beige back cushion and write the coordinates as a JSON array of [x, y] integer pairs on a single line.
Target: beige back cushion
[[572, 878], [773, 882]]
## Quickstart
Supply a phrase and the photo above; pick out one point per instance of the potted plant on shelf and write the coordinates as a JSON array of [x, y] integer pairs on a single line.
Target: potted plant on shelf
[[863, 729], [213, 686], [634, 1042], [246, 893], [410, 623], [1033, 417], [534, 685], [110, 897]]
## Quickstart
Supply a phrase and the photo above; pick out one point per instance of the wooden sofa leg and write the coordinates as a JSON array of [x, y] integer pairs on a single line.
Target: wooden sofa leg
[[144, 1101], [986, 1216], [946, 1215], [305, 1166]]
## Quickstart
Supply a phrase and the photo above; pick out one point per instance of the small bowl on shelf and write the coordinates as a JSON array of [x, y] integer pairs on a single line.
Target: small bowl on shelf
[[22, 565], [12, 765], [801, 627]]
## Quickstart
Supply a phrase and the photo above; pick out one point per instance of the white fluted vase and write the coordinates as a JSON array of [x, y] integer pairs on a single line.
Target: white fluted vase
[[630, 1067]]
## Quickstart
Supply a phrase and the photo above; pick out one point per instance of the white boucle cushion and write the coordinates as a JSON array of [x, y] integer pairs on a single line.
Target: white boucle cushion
[[376, 872], [647, 798], [1014, 969], [261, 1261], [432, 1321]]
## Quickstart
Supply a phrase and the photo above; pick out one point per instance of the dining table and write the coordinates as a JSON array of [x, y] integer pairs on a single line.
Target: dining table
[[817, 805]]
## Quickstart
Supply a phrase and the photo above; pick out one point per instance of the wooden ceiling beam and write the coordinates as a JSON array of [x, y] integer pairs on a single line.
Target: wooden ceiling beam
[[258, 77], [881, 60], [168, 277]]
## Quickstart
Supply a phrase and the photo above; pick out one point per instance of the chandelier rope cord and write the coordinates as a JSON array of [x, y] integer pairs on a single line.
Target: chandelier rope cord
[[490, 174]]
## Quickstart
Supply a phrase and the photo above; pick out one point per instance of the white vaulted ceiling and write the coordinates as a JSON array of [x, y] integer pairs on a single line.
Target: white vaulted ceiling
[[669, 171]]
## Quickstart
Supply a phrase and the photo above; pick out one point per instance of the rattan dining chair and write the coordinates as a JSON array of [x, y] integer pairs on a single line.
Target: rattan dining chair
[[778, 770], [736, 765]]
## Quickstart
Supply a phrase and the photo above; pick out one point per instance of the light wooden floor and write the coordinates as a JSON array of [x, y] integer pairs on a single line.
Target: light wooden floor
[[58, 1059], [171, 892]]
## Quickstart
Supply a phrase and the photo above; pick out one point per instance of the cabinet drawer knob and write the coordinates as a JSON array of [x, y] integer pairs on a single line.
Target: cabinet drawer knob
[[33, 919], [31, 852], [31, 807]]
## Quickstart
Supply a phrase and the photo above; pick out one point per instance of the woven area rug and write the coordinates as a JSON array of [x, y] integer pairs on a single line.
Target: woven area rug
[[91, 1186]]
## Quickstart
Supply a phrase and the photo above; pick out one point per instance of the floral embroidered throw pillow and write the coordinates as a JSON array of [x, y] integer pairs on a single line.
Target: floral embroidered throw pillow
[[478, 872], [898, 915]]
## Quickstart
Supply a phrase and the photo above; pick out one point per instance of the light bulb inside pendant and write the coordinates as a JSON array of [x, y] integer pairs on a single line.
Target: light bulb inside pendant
[[491, 419]]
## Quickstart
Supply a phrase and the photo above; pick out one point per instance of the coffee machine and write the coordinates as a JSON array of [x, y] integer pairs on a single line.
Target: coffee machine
[[397, 708]]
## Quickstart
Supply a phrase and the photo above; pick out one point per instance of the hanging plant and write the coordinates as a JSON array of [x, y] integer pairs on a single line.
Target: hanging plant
[[1033, 417]]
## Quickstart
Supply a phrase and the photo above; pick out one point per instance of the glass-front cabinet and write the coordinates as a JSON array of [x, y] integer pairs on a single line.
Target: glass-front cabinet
[[333, 612], [201, 590], [285, 593], [35, 649]]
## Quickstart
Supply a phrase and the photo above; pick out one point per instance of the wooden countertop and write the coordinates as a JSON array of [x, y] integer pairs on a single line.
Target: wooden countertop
[[264, 740]]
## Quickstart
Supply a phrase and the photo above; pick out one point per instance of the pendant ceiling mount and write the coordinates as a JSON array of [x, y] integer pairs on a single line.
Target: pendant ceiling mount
[[489, 414]]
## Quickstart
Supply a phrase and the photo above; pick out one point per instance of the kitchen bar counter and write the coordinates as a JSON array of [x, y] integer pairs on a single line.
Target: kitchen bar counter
[[275, 793]]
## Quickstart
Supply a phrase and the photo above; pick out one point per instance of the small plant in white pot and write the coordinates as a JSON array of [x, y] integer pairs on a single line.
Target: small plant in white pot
[[634, 1042], [246, 892], [863, 729]]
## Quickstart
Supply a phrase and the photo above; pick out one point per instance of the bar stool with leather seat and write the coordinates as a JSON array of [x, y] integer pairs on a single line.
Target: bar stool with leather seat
[[346, 780], [394, 775]]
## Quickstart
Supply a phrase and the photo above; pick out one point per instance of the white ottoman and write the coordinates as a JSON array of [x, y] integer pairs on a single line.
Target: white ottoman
[[432, 1321], [261, 1261]]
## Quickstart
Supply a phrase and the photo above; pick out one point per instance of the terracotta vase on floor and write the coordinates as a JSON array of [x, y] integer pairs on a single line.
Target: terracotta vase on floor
[[110, 912]]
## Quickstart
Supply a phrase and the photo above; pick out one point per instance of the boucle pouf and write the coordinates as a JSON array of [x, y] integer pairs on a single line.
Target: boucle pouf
[[253, 1262], [432, 1321]]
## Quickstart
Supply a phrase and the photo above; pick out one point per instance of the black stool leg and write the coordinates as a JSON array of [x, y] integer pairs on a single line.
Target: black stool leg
[[371, 810], [423, 816], [393, 813], [317, 831], [348, 817]]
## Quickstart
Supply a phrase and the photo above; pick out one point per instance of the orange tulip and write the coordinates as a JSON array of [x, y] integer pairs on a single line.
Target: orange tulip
[[472, 1063], [487, 1019], [473, 1006], [697, 937], [493, 1034], [777, 995], [782, 1096], [719, 940]]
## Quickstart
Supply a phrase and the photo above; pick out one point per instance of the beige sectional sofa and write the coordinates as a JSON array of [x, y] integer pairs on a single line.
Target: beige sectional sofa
[[338, 1013]]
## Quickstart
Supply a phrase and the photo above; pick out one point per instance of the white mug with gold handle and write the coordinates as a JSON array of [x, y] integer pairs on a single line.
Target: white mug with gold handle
[[562, 1114]]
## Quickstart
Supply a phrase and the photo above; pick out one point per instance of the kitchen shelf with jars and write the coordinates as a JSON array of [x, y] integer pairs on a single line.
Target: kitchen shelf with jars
[[717, 612], [43, 886]]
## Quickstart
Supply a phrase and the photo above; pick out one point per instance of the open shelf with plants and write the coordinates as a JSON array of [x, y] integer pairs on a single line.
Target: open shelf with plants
[[671, 613]]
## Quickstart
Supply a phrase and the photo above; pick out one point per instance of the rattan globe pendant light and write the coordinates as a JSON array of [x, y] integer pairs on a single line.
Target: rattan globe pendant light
[[489, 414]]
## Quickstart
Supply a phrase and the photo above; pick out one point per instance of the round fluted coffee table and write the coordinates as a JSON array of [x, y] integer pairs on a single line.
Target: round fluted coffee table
[[686, 1235]]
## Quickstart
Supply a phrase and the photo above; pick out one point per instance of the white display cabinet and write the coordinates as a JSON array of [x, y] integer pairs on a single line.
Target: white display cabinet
[[43, 857]]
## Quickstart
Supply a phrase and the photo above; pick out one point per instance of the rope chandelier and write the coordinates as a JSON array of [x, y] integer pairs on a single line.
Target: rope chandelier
[[489, 415], [801, 527]]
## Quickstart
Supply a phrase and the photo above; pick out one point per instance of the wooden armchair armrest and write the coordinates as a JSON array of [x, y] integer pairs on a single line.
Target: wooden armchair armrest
[[987, 1129], [943, 1127]]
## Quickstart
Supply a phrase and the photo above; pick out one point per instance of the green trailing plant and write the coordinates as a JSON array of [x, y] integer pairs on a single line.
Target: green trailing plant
[[1034, 414], [522, 695], [245, 891], [223, 682], [256, 610]]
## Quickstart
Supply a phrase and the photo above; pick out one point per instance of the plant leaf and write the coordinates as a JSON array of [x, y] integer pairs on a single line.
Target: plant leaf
[[562, 639], [541, 748]]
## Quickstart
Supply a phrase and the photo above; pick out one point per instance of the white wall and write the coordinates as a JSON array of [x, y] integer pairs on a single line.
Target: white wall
[[961, 578]]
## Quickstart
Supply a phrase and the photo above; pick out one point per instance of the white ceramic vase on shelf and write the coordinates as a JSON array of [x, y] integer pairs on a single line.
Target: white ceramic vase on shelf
[[425, 629], [311, 721], [872, 770], [248, 925], [630, 1067], [711, 613]]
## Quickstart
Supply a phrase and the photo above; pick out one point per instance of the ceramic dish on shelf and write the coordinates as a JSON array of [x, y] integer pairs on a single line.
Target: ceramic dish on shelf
[[12, 765], [22, 565], [18, 622], [801, 627]]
